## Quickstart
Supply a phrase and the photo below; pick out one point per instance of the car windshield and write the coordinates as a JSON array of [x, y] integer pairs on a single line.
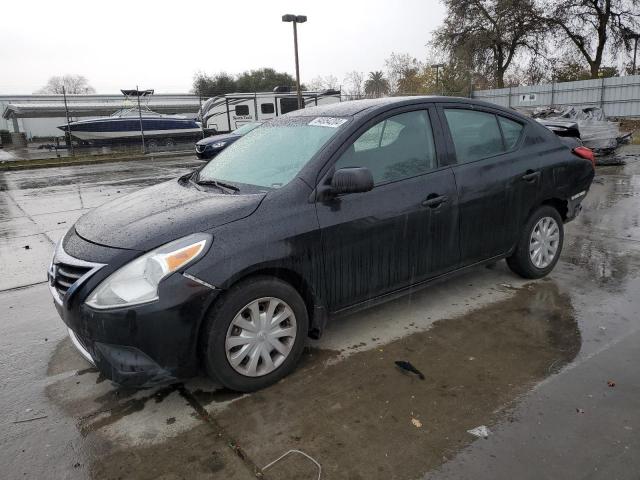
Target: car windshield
[[243, 130], [272, 155]]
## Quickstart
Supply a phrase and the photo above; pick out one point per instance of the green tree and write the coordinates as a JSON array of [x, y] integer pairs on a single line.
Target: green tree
[[376, 85], [263, 80], [212, 85]]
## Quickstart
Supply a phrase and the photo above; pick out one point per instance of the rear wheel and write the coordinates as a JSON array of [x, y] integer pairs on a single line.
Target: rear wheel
[[152, 145], [255, 334], [540, 244]]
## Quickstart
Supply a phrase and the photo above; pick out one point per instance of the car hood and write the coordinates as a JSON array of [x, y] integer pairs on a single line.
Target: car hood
[[156, 215], [217, 138]]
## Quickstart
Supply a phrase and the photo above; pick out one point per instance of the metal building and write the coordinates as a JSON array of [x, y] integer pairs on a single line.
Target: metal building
[[39, 115]]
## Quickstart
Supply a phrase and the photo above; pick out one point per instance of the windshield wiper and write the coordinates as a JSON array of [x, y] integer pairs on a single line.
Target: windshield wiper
[[217, 183]]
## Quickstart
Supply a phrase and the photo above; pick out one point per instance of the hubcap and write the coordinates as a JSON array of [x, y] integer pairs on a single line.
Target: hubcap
[[260, 337], [544, 241]]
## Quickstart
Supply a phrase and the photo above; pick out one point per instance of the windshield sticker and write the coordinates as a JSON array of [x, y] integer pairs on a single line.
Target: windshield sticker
[[330, 122]]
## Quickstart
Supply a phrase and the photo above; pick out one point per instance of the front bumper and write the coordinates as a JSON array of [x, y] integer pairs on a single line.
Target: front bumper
[[139, 345], [208, 152]]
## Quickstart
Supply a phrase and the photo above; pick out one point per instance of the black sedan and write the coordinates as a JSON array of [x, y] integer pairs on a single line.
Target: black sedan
[[324, 210], [209, 147]]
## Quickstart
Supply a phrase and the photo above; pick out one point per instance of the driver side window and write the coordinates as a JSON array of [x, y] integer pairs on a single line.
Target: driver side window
[[398, 147]]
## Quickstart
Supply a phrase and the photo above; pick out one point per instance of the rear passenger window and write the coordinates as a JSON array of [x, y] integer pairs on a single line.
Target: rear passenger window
[[475, 134], [396, 148], [266, 108], [510, 131], [288, 105], [242, 110]]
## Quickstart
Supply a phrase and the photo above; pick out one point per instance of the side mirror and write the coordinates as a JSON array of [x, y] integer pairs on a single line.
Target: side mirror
[[351, 180]]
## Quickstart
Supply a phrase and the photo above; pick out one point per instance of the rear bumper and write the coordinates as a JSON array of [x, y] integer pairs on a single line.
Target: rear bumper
[[574, 205]]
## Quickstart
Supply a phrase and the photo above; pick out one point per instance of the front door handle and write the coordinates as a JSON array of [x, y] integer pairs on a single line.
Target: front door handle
[[531, 176], [434, 200]]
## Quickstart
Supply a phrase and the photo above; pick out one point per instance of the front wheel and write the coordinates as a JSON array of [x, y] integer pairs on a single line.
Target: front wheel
[[255, 334], [540, 244]]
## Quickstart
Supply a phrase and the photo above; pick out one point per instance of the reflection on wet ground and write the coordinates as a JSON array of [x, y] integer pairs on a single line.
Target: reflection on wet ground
[[363, 408], [475, 366]]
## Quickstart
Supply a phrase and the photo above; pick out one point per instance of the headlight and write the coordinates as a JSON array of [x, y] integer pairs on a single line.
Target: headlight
[[137, 282], [218, 144]]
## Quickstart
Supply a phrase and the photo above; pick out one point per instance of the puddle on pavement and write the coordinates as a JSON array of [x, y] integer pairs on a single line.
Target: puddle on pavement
[[355, 416], [194, 454], [139, 433], [604, 261]]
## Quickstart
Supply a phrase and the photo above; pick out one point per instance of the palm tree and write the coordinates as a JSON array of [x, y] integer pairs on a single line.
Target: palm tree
[[376, 85]]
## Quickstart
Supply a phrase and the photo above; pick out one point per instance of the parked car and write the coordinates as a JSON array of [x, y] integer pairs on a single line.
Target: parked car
[[324, 210], [211, 146]]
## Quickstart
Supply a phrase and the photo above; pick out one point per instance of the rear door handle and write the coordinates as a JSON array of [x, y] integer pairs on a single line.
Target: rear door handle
[[531, 176], [434, 200]]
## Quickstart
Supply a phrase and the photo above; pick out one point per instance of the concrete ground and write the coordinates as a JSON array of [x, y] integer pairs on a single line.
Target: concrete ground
[[549, 366], [48, 150]]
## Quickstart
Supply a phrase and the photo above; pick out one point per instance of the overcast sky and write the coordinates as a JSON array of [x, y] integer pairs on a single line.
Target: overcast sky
[[161, 44]]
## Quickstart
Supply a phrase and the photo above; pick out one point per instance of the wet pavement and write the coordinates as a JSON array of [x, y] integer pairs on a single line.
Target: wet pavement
[[47, 150], [548, 366]]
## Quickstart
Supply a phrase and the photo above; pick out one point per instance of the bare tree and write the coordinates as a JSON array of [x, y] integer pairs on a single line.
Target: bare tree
[[487, 35], [330, 82], [354, 84], [73, 84], [592, 26]]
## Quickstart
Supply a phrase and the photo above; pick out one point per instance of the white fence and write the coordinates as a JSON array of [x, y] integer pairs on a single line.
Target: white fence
[[617, 96]]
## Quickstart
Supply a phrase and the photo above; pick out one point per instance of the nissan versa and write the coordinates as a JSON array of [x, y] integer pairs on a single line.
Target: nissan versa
[[320, 211]]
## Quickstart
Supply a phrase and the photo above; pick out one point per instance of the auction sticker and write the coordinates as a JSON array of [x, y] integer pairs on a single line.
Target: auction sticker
[[331, 122]]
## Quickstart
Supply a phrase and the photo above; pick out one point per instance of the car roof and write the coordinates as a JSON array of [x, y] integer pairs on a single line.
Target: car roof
[[354, 107]]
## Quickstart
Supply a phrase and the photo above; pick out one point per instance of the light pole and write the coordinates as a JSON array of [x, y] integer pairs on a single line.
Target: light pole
[[295, 19], [438, 66]]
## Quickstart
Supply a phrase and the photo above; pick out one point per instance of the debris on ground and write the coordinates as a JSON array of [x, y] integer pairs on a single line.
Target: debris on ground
[[404, 365], [596, 131], [481, 432], [611, 383], [298, 452], [31, 419], [416, 423], [26, 247], [579, 410]]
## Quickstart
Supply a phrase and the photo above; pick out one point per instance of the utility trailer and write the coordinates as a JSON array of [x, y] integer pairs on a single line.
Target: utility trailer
[[223, 114]]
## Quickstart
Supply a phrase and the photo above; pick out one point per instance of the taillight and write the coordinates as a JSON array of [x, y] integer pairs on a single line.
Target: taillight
[[586, 153]]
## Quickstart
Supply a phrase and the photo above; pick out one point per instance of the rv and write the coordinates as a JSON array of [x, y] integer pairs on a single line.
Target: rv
[[223, 114]]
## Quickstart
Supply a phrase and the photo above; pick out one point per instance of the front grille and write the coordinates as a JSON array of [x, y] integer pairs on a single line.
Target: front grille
[[66, 275], [66, 271]]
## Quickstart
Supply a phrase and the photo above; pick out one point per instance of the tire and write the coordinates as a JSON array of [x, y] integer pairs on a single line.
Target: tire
[[169, 142], [218, 330], [521, 261], [152, 145]]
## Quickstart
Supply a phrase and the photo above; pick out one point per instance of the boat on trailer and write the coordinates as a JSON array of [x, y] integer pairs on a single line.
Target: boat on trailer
[[131, 121]]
